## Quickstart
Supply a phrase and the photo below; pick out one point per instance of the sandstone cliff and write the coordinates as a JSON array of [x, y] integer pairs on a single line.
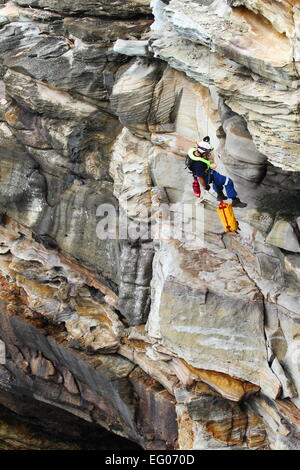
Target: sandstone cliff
[[193, 328]]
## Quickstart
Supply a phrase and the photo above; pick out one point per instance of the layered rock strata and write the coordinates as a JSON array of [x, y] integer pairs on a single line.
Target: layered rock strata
[[123, 302]]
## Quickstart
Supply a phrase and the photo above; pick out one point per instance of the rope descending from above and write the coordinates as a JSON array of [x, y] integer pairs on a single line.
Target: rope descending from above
[[208, 94]]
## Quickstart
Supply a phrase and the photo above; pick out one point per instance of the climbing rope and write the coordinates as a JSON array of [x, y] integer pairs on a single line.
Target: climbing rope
[[208, 95]]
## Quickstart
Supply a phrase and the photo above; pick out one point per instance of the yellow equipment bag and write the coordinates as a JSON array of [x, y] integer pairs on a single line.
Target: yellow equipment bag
[[227, 217]]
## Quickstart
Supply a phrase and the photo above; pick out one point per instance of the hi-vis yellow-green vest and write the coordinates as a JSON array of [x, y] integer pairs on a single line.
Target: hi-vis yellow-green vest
[[198, 159]]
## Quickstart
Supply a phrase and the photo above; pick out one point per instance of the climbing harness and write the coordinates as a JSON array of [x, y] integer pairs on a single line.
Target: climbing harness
[[191, 157], [197, 159]]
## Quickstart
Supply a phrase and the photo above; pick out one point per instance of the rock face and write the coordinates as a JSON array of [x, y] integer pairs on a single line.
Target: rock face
[[98, 7], [122, 300], [25, 426]]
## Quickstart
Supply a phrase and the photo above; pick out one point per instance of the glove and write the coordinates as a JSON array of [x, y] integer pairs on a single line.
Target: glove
[[207, 187]]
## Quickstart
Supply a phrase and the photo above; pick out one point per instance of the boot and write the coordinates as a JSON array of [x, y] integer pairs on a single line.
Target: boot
[[221, 196], [236, 202]]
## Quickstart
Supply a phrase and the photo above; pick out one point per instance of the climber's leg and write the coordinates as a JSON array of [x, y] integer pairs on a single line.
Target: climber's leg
[[230, 191], [219, 182], [218, 187]]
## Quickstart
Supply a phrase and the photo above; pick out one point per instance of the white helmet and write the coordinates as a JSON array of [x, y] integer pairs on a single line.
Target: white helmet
[[204, 147]]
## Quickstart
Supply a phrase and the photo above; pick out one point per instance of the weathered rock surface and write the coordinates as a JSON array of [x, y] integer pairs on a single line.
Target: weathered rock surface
[[103, 383], [202, 325], [37, 426], [96, 7], [283, 236], [271, 111], [123, 302]]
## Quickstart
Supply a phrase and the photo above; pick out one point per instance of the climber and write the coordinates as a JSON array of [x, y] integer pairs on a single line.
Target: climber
[[200, 163]]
